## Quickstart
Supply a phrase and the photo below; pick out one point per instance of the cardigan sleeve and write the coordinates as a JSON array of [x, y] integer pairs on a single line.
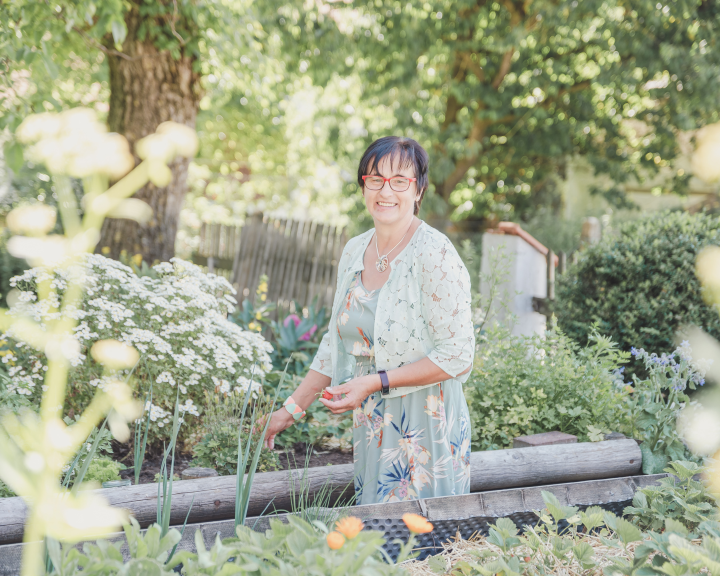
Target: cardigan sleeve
[[446, 307]]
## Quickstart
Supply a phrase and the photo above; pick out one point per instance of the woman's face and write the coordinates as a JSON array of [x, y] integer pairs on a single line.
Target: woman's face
[[387, 206]]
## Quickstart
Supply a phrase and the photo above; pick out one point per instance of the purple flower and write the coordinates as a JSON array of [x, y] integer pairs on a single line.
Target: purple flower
[[633, 351]]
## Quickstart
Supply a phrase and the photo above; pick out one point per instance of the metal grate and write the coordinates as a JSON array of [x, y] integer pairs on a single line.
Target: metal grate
[[431, 544]]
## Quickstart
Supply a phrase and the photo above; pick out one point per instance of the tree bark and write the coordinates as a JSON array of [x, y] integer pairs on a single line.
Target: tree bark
[[147, 87]]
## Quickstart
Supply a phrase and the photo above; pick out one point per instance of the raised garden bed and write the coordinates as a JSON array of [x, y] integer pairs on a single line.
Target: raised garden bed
[[450, 515]]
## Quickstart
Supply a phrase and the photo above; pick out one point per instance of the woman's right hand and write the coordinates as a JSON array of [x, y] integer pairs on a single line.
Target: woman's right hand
[[279, 421]]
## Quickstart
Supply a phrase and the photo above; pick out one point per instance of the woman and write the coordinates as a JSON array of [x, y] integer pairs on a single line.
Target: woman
[[400, 342]]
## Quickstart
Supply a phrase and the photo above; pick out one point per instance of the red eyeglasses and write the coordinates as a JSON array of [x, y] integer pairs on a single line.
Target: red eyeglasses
[[397, 183]]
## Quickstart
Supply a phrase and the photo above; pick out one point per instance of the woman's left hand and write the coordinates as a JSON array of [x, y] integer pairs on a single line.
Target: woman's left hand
[[356, 390]]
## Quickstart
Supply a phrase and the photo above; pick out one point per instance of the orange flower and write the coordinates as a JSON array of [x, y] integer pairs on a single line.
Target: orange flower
[[335, 540], [629, 389], [349, 527], [417, 524]]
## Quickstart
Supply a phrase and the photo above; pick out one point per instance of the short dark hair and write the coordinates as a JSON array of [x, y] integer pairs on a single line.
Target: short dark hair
[[411, 154]]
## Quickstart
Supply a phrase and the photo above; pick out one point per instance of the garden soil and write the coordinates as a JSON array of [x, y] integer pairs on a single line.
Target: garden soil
[[296, 458]]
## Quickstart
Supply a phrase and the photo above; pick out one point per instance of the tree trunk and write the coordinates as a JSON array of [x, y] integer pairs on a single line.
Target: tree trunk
[[148, 87]]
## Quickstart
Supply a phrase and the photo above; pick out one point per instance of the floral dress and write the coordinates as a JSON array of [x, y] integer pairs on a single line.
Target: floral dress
[[407, 447]]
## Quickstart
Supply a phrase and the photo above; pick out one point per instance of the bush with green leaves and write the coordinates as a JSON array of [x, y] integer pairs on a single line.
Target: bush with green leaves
[[639, 285], [218, 447], [529, 384], [677, 497], [103, 469]]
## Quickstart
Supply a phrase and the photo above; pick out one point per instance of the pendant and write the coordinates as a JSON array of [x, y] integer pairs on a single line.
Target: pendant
[[382, 264]]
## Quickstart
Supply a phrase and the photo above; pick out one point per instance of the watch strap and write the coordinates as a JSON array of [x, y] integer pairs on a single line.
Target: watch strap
[[295, 411], [385, 390]]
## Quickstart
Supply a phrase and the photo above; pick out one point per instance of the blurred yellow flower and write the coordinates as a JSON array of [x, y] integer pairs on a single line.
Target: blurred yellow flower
[[114, 355], [31, 220], [75, 143], [137, 260], [706, 158], [708, 268]]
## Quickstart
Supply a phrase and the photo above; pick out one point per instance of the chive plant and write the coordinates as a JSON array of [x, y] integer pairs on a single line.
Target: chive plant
[[165, 483], [243, 481], [139, 445]]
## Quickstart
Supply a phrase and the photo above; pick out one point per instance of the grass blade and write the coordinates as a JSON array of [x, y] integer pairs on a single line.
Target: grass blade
[[139, 450], [88, 458], [182, 532]]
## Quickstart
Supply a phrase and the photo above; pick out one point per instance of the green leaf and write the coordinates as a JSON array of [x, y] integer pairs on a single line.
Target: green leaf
[[557, 510], [627, 532], [652, 463], [676, 527], [584, 553], [119, 31], [438, 564], [13, 155], [592, 517], [506, 526]]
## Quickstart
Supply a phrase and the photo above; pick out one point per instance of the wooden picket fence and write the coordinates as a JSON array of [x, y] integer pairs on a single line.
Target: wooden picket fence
[[299, 257]]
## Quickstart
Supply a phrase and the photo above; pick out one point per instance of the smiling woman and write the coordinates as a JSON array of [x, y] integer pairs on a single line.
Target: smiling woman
[[400, 343]]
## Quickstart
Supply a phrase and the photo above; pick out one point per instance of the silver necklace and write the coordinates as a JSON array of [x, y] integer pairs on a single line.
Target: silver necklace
[[382, 262]]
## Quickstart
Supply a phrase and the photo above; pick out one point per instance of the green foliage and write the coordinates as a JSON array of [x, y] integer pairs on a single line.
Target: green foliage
[[674, 552], [218, 447], [676, 498], [5, 491], [639, 286], [503, 92], [94, 454], [656, 403], [148, 554], [297, 547], [295, 337], [103, 469], [527, 385]]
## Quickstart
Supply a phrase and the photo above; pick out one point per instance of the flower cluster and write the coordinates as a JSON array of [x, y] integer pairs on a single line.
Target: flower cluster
[[176, 321], [678, 367]]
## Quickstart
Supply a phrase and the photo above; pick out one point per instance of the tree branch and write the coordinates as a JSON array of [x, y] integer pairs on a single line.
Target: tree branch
[[504, 68]]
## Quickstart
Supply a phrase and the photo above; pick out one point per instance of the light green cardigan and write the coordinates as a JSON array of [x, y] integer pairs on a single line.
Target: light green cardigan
[[424, 309]]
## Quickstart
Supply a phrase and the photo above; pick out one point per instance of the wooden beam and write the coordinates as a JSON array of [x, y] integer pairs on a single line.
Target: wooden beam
[[214, 498]]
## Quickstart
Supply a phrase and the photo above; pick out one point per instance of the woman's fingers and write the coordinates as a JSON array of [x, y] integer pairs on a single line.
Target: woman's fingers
[[340, 406]]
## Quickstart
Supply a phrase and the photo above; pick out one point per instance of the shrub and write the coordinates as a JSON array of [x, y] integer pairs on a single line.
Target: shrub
[[103, 470], [218, 447], [176, 321], [526, 385], [677, 497], [659, 400], [640, 285]]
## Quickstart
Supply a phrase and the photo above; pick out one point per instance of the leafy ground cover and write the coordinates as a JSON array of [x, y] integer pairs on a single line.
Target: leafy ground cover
[[590, 542]]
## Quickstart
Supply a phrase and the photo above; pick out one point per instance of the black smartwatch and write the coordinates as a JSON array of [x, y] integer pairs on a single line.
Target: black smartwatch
[[385, 390]]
